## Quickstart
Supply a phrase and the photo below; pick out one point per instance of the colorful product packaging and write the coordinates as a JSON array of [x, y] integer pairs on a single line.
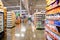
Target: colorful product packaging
[[53, 35], [53, 29], [52, 6], [57, 23], [50, 1], [53, 11], [53, 16], [49, 22], [48, 37]]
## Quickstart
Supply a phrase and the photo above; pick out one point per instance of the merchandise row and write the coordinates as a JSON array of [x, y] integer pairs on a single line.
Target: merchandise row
[[52, 22]]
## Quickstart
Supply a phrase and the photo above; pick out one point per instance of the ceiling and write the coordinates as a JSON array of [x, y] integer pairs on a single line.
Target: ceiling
[[37, 5], [12, 4], [33, 5]]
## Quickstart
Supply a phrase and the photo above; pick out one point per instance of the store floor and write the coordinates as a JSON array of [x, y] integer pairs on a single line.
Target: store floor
[[24, 32]]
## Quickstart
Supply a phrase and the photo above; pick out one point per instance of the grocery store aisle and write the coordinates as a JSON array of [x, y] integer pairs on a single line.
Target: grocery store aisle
[[24, 32]]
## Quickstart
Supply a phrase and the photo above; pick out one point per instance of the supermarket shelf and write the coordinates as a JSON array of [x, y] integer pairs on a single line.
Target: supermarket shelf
[[53, 8], [53, 11], [53, 30], [48, 37], [53, 35]]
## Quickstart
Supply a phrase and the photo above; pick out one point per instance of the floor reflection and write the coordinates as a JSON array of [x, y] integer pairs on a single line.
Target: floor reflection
[[25, 32]]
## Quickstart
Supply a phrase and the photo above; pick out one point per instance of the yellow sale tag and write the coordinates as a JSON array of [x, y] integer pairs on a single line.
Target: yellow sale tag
[[50, 1]]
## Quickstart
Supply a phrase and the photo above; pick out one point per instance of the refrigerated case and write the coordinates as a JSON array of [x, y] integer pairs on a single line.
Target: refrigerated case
[[1, 23], [39, 20], [2, 20]]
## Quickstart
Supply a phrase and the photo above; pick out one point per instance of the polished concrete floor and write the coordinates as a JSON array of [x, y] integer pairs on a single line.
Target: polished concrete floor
[[24, 32]]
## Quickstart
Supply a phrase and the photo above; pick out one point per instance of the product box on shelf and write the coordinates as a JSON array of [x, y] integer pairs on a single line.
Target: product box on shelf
[[49, 22], [53, 22], [57, 23], [50, 1], [52, 34], [55, 4], [53, 11], [47, 36], [53, 16], [53, 29]]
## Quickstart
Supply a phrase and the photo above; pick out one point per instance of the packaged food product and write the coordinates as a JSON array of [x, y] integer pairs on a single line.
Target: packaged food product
[[50, 1], [52, 6], [53, 11], [53, 35]]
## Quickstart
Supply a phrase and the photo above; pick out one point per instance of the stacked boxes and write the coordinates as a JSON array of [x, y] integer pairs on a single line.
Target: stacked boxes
[[52, 22]]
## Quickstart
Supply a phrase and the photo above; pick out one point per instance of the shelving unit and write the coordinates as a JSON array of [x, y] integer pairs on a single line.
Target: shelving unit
[[52, 22], [39, 18], [11, 18], [2, 20]]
